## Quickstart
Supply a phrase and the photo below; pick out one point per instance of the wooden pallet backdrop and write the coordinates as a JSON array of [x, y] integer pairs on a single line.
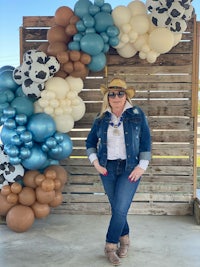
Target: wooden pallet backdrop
[[168, 92]]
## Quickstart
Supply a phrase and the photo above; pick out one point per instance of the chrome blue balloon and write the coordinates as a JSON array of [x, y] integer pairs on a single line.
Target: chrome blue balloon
[[23, 105], [12, 151], [63, 150], [10, 123], [15, 140], [42, 126], [29, 144], [45, 148], [14, 160], [20, 129], [9, 112], [26, 136], [24, 153], [6, 67], [51, 142], [6, 135], [21, 119], [36, 160], [59, 137]]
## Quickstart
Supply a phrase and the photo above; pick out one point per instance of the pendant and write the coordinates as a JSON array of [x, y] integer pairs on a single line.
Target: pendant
[[116, 132]]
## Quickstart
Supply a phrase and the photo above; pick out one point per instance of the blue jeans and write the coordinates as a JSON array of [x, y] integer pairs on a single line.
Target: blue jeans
[[120, 192]]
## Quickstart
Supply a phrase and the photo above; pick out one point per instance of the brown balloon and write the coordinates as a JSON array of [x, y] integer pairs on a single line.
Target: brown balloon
[[27, 196], [85, 58], [4, 205], [43, 196], [57, 184], [56, 47], [29, 178], [50, 174], [40, 210], [5, 190], [61, 173], [20, 218], [71, 30], [39, 178], [57, 34], [16, 188], [43, 47], [63, 15], [12, 198], [57, 201], [74, 19], [74, 55], [63, 57], [68, 67], [61, 74], [47, 185]]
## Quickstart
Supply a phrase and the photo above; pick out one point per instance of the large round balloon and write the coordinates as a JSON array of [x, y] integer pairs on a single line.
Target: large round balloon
[[98, 62], [41, 126], [20, 218], [36, 160], [7, 81], [92, 44], [23, 105]]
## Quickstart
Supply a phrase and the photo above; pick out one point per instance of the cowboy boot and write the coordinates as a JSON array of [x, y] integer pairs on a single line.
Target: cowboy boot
[[124, 246], [110, 252]]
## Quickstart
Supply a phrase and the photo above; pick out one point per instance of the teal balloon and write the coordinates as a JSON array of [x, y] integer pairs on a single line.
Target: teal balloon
[[26, 137], [106, 48], [36, 160], [21, 119], [77, 37], [99, 2], [81, 7], [112, 31], [6, 67], [74, 45], [113, 41], [7, 81], [105, 37], [42, 126], [10, 123], [23, 105], [12, 151], [80, 26], [103, 21], [24, 153], [93, 10], [90, 30], [63, 150], [98, 62], [88, 21], [6, 96], [19, 91], [92, 44], [106, 8]]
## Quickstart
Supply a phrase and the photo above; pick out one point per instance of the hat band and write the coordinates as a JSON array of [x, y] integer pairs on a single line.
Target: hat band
[[116, 88]]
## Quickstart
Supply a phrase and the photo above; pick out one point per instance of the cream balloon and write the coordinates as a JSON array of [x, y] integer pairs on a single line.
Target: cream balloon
[[161, 40], [78, 111], [75, 84], [137, 8], [121, 15], [37, 107], [57, 85], [140, 23], [133, 35], [177, 38], [127, 51], [126, 27], [64, 122], [142, 55], [152, 56], [141, 40]]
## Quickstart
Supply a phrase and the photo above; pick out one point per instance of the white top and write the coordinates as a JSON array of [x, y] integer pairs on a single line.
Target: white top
[[116, 148]]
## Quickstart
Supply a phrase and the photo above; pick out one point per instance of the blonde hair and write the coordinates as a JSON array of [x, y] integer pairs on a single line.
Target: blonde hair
[[105, 105]]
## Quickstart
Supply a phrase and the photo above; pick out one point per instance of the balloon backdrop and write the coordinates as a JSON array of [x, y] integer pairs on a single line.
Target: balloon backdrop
[[40, 102]]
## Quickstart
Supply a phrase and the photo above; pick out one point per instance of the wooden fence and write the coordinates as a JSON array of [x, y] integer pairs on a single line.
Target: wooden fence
[[167, 92]]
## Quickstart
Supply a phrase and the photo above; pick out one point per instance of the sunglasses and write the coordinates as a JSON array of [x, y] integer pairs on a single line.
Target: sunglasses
[[120, 94]]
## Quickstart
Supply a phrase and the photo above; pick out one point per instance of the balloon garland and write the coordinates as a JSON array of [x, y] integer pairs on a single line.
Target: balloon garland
[[39, 100]]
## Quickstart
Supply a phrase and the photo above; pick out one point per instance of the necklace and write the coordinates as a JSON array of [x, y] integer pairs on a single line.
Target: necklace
[[116, 126]]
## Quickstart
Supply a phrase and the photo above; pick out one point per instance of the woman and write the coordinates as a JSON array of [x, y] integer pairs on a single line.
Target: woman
[[119, 147]]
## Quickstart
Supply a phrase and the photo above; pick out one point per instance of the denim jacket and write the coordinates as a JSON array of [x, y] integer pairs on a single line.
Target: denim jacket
[[136, 133]]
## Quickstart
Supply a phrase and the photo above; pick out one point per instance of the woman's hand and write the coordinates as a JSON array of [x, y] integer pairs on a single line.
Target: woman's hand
[[136, 174], [99, 168]]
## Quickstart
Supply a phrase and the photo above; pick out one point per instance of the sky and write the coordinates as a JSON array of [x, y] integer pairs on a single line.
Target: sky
[[11, 16]]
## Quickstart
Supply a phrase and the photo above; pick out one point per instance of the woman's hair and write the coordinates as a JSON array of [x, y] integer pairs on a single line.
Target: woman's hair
[[105, 104]]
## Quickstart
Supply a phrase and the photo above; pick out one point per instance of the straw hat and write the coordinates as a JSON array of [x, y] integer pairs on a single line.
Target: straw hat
[[118, 84]]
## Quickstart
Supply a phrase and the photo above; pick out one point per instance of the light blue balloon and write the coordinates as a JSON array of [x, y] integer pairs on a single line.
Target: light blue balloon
[[10, 123], [7, 81], [81, 8], [74, 46], [24, 153], [63, 150], [20, 129], [88, 21], [36, 160], [51, 142], [59, 137], [98, 62], [42, 126], [26, 137], [9, 112], [12, 151], [103, 21], [14, 160], [92, 44], [15, 140], [6, 67], [23, 105], [90, 30]]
